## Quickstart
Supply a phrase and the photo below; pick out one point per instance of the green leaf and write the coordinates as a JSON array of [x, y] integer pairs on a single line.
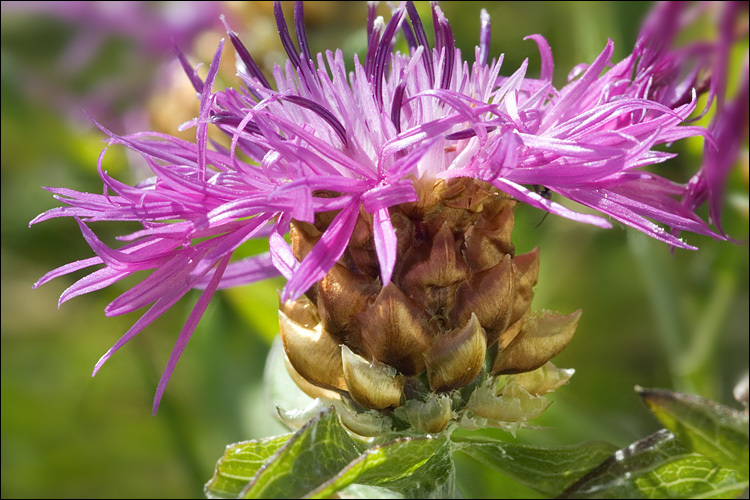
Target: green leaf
[[549, 470], [410, 467], [659, 466], [310, 457], [718, 432], [240, 463], [258, 303]]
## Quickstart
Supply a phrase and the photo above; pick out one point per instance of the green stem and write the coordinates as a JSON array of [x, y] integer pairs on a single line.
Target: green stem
[[663, 298], [703, 339], [689, 345], [175, 424]]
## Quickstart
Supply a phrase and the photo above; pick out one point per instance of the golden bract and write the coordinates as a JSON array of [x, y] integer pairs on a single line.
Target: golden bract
[[458, 295]]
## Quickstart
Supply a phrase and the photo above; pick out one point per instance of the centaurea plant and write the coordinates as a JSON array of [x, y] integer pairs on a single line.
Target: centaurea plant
[[386, 196]]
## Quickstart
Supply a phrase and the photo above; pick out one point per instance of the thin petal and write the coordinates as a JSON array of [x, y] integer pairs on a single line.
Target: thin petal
[[385, 243]]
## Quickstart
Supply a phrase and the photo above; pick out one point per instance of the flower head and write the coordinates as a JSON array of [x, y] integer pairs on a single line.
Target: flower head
[[345, 161]]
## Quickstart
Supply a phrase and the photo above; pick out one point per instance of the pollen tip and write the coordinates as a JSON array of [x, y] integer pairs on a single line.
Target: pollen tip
[[226, 24], [100, 363]]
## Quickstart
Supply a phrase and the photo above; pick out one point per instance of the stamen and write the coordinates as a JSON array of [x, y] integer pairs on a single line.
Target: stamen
[[466, 134], [286, 39], [234, 121], [373, 37], [408, 34], [444, 39], [384, 50], [372, 11], [398, 97], [250, 65], [191, 73], [485, 32], [422, 39], [299, 28], [437, 29], [320, 111]]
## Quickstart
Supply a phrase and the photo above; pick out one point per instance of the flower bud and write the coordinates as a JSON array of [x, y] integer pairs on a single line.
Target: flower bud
[[415, 349]]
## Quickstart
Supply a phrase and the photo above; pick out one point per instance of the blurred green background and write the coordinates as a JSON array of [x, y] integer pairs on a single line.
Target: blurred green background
[[650, 318]]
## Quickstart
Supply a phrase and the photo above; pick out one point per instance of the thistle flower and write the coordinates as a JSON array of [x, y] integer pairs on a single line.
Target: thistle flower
[[397, 184], [729, 126]]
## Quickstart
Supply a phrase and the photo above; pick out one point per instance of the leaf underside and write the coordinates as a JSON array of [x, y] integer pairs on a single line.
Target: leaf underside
[[659, 466], [718, 432]]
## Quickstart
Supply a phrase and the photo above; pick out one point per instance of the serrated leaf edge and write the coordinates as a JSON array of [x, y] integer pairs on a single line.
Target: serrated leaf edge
[[280, 451], [635, 447], [726, 418], [223, 460]]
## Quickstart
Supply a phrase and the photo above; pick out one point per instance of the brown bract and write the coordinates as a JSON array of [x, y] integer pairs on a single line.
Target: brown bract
[[458, 292]]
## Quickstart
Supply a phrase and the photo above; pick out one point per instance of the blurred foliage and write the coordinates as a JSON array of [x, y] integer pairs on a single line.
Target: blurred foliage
[[650, 318]]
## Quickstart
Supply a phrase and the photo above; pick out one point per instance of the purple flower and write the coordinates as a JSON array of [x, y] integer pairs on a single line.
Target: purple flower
[[150, 30], [321, 141], [728, 127], [152, 25]]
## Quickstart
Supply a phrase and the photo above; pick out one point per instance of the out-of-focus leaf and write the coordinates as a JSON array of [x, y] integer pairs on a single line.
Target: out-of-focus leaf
[[240, 463], [718, 432], [659, 466], [740, 390], [310, 457], [546, 469], [257, 304], [409, 467]]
